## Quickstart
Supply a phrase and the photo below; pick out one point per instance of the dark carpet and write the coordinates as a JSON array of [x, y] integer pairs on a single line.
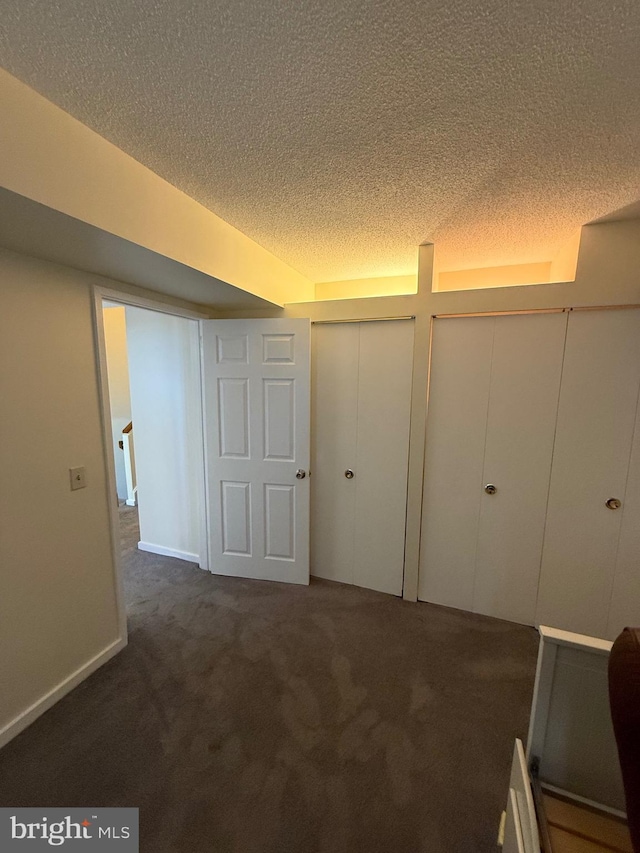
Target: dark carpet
[[249, 716]]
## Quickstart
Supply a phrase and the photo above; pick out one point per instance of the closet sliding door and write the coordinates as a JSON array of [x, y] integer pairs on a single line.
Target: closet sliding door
[[492, 409], [382, 458], [456, 432], [361, 391], [526, 367], [334, 421], [584, 571]]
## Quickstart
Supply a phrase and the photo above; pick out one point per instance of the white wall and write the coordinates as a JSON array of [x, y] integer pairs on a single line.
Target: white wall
[[164, 371], [58, 612], [115, 338]]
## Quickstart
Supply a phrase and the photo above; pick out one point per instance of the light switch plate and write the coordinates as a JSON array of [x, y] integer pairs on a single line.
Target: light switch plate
[[78, 477]]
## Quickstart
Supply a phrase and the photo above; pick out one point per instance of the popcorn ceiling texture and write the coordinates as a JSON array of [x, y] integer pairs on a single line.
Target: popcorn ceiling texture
[[342, 134]]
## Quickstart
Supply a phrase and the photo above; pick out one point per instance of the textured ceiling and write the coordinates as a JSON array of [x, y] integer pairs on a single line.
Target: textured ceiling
[[340, 134]]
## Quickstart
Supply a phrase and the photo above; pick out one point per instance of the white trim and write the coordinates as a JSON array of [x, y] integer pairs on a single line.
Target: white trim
[[575, 641], [204, 533], [151, 304], [169, 552], [25, 718], [542, 686], [109, 459]]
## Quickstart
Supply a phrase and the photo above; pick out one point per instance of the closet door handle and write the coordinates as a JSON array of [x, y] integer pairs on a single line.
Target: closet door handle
[[490, 489], [301, 474], [349, 474], [613, 503]]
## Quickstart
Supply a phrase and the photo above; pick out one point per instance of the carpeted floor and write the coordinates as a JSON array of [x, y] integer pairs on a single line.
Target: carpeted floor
[[248, 716]]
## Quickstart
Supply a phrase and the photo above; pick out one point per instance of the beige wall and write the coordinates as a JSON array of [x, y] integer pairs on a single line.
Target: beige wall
[[508, 276], [366, 287], [50, 157], [58, 601]]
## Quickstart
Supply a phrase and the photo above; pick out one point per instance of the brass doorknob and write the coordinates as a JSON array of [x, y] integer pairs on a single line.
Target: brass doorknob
[[613, 503]]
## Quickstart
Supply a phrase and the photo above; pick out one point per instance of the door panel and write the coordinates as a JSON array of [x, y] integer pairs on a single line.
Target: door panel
[[525, 382], [279, 421], [335, 408], [596, 417], [625, 598], [456, 430], [362, 406], [233, 417], [256, 393], [280, 522], [380, 482], [236, 518]]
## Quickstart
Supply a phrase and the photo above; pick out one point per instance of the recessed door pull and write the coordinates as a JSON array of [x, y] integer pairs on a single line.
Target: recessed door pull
[[613, 503], [490, 489], [349, 474]]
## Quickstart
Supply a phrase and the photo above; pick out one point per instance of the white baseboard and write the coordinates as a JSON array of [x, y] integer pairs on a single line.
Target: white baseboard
[[169, 552], [38, 708]]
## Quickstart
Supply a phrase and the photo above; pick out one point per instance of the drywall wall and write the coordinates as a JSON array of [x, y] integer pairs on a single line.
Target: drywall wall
[[115, 336], [60, 617], [364, 287], [58, 611], [507, 276], [51, 158], [164, 371]]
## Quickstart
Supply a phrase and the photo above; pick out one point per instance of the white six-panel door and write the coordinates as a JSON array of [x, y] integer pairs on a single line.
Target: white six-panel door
[[256, 400]]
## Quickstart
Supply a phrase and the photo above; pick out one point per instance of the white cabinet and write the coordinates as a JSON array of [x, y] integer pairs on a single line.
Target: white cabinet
[[544, 407], [492, 410], [361, 406]]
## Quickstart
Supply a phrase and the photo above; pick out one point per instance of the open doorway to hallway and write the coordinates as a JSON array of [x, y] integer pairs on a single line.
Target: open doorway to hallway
[[153, 373]]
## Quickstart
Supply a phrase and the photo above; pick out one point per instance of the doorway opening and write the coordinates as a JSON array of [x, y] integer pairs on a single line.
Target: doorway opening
[[152, 405]]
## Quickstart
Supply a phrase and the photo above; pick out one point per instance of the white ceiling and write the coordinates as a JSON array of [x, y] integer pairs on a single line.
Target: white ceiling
[[340, 134]]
